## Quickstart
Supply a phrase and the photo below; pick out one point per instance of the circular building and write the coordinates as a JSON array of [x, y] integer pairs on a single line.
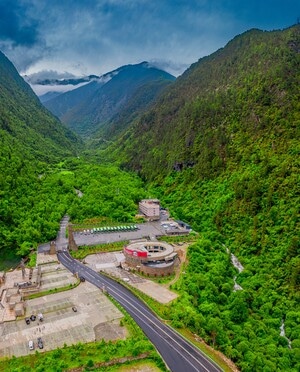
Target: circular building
[[151, 257]]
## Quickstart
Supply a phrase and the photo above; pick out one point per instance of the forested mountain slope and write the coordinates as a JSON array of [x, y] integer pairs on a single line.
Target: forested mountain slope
[[68, 101], [250, 88], [221, 148], [31, 139], [26, 122], [136, 105], [88, 108]]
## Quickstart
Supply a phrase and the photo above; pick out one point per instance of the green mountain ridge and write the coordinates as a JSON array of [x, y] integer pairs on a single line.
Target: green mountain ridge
[[221, 150], [27, 122], [239, 85], [95, 106], [31, 139], [142, 99]]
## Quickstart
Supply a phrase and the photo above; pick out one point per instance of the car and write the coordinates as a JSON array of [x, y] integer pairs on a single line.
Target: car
[[31, 345], [27, 320], [82, 279], [40, 343], [40, 317], [33, 317], [74, 308]]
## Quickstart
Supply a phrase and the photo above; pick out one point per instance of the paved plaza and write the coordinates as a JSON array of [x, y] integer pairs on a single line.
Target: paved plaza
[[82, 314], [109, 263], [95, 318]]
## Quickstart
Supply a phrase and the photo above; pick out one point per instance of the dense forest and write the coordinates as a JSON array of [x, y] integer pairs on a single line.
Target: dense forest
[[220, 148], [40, 171], [33, 201], [222, 110]]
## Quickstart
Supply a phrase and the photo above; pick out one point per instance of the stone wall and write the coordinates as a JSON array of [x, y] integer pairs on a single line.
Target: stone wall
[[157, 271]]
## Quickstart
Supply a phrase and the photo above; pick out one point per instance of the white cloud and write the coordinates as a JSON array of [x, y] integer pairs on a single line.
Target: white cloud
[[42, 89], [97, 36]]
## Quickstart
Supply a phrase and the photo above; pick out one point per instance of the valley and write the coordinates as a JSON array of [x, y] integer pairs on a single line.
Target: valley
[[219, 147]]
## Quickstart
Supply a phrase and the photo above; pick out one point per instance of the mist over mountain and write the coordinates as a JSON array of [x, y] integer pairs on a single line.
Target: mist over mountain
[[69, 81], [88, 108]]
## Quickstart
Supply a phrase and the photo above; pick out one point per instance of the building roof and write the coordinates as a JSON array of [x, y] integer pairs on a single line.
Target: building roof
[[149, 247], [150, 201]]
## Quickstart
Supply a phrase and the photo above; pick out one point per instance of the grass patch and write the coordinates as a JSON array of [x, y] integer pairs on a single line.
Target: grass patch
[[159, 280], [51, 291], [85, 250], [146, 364]]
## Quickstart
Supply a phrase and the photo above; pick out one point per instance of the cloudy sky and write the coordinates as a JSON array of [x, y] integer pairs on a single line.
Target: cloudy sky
[[96, 36]]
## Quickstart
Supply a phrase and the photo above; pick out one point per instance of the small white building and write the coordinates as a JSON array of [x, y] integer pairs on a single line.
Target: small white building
[[150, 208]]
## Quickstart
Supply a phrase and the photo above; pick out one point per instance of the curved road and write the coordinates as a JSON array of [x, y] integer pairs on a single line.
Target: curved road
[[178, 354]]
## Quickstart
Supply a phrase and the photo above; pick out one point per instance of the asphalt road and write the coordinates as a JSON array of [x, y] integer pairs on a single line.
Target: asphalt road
[[178, 354]]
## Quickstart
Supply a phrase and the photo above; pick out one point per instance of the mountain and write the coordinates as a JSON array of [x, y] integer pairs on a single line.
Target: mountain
[[70, 100], [32, 141], [220, 148], [49, 95], [88, 108], [25, 122], [136, 105], [243, 90]]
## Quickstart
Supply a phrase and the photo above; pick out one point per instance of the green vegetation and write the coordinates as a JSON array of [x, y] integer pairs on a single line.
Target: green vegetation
[[27, 129], [243, 324], [223, 111], [220, 148], [84, 251], [51, 291], [32, 205], [99, 111]]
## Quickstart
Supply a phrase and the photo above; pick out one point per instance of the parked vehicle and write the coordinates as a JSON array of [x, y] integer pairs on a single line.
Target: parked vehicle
[[27, 320], [31, 345], [33, 317], [40, 343], [40, 317], [74, 308]]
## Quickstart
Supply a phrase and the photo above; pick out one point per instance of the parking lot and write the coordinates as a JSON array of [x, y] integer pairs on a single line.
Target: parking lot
[[95, 318], [145, 230]]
